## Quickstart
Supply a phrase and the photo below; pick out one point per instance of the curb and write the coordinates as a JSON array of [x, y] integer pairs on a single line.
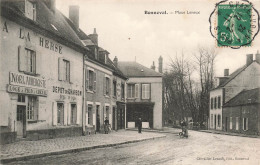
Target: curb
[[222, 133], [27, 157], [153, 131]]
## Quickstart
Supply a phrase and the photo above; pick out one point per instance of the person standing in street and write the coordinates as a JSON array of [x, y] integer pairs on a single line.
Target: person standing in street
[[106, 125], [139, 125]]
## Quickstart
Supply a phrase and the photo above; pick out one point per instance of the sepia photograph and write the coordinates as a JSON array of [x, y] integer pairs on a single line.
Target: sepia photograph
[[118, 82]]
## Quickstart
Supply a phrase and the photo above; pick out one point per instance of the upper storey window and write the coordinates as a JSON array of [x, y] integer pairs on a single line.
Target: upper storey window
[[30, 10]]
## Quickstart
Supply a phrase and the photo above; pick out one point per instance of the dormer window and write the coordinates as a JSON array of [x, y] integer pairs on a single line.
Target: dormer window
[[30, 10], [96, 53]]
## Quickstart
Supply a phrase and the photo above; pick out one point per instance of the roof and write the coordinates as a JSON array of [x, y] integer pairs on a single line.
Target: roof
[[134, 69], [47, 21], [116, 70], [244, 98]]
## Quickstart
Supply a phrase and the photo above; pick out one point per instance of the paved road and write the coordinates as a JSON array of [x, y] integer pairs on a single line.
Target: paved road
[[199, 148]]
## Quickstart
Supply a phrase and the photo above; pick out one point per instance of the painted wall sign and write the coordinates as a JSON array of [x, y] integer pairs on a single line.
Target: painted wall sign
[[62, 90], [50, 45], [26, 80], [26, 90]]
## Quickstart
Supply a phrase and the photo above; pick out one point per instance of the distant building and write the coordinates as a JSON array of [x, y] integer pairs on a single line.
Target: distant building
[[241, 113], [245, 78], [144, 95]]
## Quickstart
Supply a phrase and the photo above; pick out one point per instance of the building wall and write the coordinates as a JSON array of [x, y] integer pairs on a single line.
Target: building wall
[[247, 111], [47, 63], [97, 97], [156, 97], [247, 79], [215, 112]]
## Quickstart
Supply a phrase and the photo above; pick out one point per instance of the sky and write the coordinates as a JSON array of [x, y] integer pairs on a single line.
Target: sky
[[126, 32]]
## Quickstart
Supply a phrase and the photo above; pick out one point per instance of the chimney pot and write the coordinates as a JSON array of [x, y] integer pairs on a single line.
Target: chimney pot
[[94, 37], [115, 61], [74, 15], [226, 72], [153, 66], [249, 59], [160, 68]]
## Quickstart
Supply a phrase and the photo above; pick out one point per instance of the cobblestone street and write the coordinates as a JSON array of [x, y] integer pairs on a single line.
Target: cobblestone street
[[199, 148]]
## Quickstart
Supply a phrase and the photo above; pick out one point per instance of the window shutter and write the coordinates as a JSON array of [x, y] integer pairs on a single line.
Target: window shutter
[[149, 91], [38, 63], [95, 81], [143, 91], [54, 113], [69, 114], [61, 69], [72, 72], [243, 123], [136, 90], [87, 78], [21, 59], [76, 116], [104, 85], [109, 87]]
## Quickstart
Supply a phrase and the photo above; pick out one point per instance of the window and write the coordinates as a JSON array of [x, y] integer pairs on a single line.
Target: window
[[107, 88], [64, 70], [211, 103], [215, 102], [21, 98], [122, 91], [90, 107], [114, 88], [245, 124], [219, 120], [145, 91], [32, 108], [91, 80], [230, 123], [237, 122], [27, 61], [131, 90], [30, 10], [73, 116], [219, 102], [60, 113], [19, 116]]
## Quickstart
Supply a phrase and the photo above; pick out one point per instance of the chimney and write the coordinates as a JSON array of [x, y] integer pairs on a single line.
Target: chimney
[[115, 61], [249, 59], [94, 37], [74, 15], [257, 57], [153, 66], [226, 72], [160, 64]]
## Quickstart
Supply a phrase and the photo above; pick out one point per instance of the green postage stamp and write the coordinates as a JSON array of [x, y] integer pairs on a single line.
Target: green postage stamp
[[234, 24]]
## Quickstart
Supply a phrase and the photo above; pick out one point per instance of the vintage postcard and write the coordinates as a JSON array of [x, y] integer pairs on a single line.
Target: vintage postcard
[[130, 82]]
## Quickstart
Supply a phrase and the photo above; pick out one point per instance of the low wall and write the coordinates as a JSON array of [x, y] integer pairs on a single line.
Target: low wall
[[7, 137]]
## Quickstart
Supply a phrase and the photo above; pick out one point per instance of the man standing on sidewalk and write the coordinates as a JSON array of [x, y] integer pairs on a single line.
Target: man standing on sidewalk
[[139, 125]]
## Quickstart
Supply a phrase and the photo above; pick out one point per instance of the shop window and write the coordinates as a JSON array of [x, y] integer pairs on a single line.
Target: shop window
[[237, 123], [219, 102], [60, 113], [230, 123], [32, 109], [21, 98], [90, 113], [114, 88], [245, 124], [90, 80], [145, 91], [73, 116], [64, 70], [30, 10]]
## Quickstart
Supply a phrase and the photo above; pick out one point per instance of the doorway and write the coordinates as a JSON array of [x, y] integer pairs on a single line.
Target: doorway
[[21, 121], [98, 118], [114, 119]]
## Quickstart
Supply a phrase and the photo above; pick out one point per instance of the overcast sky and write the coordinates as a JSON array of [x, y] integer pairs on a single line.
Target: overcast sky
[[126, 32]]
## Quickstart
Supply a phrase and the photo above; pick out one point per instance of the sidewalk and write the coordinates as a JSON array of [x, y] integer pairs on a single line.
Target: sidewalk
[[32, 149], [227, 133], [163, 130]]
